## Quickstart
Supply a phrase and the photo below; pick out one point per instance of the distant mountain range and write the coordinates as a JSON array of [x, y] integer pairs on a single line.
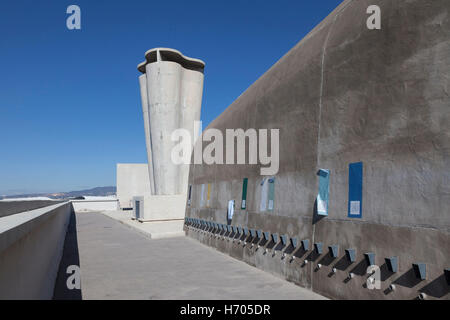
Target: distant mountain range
[[98, 191]]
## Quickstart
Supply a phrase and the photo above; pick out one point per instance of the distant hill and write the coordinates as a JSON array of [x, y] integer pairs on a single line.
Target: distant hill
[[98, 191]]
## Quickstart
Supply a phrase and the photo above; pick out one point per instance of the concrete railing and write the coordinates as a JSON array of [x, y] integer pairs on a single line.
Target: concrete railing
[[31, 246], [95, 205], [12, 207]]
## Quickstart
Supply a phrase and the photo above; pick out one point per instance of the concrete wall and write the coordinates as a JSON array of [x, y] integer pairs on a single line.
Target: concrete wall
[[347, 94], [95, 205], [11, 207], [132, 180], [31, 245]]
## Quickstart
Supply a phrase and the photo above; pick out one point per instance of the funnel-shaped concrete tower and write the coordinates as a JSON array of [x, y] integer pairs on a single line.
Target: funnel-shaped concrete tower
[[171, 91]]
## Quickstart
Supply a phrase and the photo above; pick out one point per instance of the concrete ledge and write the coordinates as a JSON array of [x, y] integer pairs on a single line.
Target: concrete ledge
[[12, 207], [95, 205], [14, 227], [31, 246]]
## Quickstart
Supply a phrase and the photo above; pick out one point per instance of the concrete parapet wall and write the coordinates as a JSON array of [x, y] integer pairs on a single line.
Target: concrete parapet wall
[[11, 207], [348, 94], [31, 245], [95, 205]]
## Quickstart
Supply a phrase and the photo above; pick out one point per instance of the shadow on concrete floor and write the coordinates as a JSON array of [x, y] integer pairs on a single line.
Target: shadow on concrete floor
[[438, 288], [70, 257]]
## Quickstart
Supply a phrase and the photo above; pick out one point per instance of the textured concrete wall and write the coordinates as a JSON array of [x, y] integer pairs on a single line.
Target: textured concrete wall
[[132, 180], [148, 139], [31, 245], [346, 94]]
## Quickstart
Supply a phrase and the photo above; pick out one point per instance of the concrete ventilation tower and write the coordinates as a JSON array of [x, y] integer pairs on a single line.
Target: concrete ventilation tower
[[171, 92]]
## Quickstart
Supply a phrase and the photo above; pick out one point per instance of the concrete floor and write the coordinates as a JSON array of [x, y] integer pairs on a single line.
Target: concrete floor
[[118, 262]]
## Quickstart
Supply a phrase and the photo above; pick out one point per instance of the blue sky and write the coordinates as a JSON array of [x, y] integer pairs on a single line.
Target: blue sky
[[69, 99]]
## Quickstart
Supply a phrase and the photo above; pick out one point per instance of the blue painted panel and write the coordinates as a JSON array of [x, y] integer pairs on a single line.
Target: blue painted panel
[[305, 244], [392, 264], [322, 196], [275, 238], [350, 254], [420, 269], [294, 242], [370, 258], [355, 183], [318, 246], [284, 239], [334, 250]]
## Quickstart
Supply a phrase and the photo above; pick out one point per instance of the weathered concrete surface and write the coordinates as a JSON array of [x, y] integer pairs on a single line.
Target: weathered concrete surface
[[132, 180], [148, 138], [31, 246], [346, 94], [174, 96], [11, 207], [119, 263]]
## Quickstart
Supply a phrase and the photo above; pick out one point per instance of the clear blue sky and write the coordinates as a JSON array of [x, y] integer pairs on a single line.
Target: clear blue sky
[[69, 100]]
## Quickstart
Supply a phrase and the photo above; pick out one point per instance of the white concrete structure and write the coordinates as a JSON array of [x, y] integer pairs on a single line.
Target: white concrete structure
[[144, 101], [171, 87], [158, 208], [174, 96], [132, 180]]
